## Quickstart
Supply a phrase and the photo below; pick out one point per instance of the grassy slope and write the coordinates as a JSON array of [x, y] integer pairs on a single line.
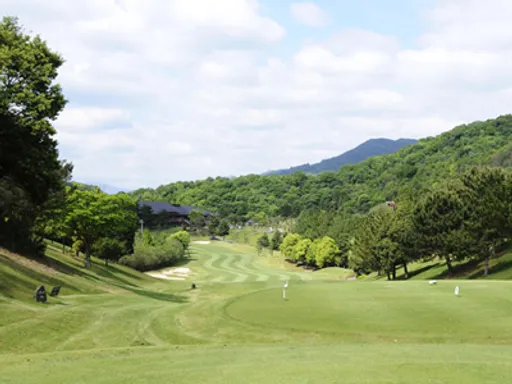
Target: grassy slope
[[113, 325], [500, 268]]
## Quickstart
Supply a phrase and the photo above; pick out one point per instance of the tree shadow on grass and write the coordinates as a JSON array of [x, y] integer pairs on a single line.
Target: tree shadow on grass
[[24, 280], [124, 270], [169, 297], [493, 270], [467, 270], [108, 273], [418, 271], [93, 273], [97, 266]]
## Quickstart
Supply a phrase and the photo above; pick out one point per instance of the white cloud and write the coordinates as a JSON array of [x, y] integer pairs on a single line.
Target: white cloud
[[76, 118], [309, 14], [185, 89]]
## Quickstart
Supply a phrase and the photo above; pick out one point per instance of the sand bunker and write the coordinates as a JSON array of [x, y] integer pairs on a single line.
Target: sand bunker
[[201, 242], [171, 274]]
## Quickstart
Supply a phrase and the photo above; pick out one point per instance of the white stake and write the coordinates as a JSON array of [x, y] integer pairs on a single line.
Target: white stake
[[284, 289], [457, 290]]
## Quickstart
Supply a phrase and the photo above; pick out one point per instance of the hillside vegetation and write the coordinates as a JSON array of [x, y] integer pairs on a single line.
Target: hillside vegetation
[[354, 188], [372, 147]]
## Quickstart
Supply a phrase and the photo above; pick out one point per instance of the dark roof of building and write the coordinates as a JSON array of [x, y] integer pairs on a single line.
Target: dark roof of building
[[182, 210]]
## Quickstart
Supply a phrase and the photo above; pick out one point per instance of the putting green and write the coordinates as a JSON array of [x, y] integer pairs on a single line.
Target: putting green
[[378, 311]]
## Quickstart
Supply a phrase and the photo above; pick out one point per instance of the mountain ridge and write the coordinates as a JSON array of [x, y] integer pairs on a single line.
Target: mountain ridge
[[354, 188], [369, 148]]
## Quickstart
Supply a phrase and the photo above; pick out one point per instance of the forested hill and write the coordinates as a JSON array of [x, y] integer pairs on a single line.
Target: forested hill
[[354, 188], [372, 147]]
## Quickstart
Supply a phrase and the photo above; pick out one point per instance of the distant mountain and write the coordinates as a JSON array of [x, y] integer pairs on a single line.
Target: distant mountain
[[372, 147]]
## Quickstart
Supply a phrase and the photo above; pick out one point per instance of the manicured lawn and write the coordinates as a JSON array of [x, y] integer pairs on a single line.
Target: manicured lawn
[[114, 325]]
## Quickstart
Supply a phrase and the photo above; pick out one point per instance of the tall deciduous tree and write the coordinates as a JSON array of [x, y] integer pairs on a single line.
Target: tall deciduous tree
[[29, 100], [109, 249], [91, 215], [288, 244], [300, 250], [311, 253], [327, 252], [183, 237]]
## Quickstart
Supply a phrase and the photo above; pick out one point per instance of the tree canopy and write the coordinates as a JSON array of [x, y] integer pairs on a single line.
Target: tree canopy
[[31, 174]]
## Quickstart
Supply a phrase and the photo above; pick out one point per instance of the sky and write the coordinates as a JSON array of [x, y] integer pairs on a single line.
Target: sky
[[173, 90]]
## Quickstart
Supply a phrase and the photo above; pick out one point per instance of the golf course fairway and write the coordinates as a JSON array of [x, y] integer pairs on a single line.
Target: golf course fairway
[[114, 325]]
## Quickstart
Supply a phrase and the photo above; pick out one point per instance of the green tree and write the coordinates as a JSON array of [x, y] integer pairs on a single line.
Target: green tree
[[375, 247], [197, 220], [108, 249], [31, 174], [223, 229], [341, 228], [147, 238], [311, 254], [213, 225], [439, 220], [263, 242], [183, 237], [312, 223], [288, 244], [487, 196], [361, 257], [77, 246], [326, 252], [276, 240], [300, 250], [404, 235], [29, 68], [91, 215]]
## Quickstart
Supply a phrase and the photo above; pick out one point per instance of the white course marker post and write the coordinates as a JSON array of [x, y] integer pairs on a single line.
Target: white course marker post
[[457, 290], [284, 289]]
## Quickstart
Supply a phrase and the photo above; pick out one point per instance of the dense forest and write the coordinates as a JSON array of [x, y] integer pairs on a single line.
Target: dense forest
[[370, 148], [354, 188], [465, 217]]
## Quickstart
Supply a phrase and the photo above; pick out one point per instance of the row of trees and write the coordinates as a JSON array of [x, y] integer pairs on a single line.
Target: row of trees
[[466, 217], [217, 227], [93, 221], [319, 253], [273, 243]]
